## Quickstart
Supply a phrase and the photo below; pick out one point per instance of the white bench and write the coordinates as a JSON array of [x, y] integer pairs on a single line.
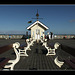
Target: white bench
[[57, 62], [23, 52], [52, 51], [13, 62], [19, 52], [29, 43]]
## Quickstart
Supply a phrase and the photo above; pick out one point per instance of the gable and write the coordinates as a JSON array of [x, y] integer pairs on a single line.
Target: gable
[[39, 23], [37, 27]]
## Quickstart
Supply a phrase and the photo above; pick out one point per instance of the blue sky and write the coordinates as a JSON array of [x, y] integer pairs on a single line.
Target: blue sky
[[59, 18]]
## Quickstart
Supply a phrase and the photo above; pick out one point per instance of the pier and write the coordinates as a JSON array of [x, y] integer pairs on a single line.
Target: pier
[[37, 59]]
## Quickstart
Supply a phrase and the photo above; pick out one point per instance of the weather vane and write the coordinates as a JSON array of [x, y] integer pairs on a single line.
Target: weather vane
[[37, 16]]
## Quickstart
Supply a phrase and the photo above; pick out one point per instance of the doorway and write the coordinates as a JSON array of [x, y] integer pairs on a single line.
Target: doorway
[[37, 35]]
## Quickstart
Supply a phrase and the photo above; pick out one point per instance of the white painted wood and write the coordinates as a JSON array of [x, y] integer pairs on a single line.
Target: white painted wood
[[18, 53], [50, 51], [23, 52], [13, 62], [57, 62], [56, 45], [39, 23]]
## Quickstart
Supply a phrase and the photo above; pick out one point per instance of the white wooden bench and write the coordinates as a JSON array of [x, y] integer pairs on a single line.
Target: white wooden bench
[[51, 49], [29, 43], [19, 52], [23, 50], [13, 62], [26, 47], [58, 63]]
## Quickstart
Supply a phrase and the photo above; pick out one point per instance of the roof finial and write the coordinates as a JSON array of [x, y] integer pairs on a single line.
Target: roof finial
[[37, 15]]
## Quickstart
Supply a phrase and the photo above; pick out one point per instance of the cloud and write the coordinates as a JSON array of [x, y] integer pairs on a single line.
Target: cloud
[[73, 20]]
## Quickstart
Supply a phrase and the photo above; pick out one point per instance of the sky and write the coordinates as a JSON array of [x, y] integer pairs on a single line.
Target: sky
[[59, 18]]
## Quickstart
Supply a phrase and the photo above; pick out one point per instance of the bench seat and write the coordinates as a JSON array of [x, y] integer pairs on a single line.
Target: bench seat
[[71, 64], [73, 60], [23, 45], [50, 45]]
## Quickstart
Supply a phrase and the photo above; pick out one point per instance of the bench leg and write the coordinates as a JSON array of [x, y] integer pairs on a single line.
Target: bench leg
[[51, 52], [44, 44], [57, 62], [41, 40], [28, 47], [11, 66], [31, 43], [23, 52]]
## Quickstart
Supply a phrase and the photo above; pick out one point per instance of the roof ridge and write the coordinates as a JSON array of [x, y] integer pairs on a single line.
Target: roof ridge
[[39, 23]]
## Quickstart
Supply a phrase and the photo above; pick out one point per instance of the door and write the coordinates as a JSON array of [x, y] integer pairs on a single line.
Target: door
[[37, 35]]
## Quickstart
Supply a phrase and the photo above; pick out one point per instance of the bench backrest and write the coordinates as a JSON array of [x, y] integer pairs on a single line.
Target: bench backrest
[[8, 47], [23, 45], [68, 49], [51, 45]]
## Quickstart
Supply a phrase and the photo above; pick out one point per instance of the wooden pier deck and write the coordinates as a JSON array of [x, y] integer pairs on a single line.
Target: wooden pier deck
[[37, 59]]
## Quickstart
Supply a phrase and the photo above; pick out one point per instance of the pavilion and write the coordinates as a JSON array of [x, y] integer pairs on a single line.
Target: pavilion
[[37, 29]]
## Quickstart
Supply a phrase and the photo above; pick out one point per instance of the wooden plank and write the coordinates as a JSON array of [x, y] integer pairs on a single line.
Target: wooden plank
[[46, 62], [43, 62], [70, 63], [3, 62], [34, 64], [52, 62], [73, 60], [40, 62], [5, 48], [31, 63]]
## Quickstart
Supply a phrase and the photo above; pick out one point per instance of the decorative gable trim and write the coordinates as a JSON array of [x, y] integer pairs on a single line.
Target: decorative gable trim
[[39, 23]]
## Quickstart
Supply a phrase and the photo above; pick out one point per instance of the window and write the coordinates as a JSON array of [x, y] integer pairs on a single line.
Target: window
[[41, 33], [37, 31], [33, 33]]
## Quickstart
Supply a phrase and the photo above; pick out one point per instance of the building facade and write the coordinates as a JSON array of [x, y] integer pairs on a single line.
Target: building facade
[[37, 30]]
